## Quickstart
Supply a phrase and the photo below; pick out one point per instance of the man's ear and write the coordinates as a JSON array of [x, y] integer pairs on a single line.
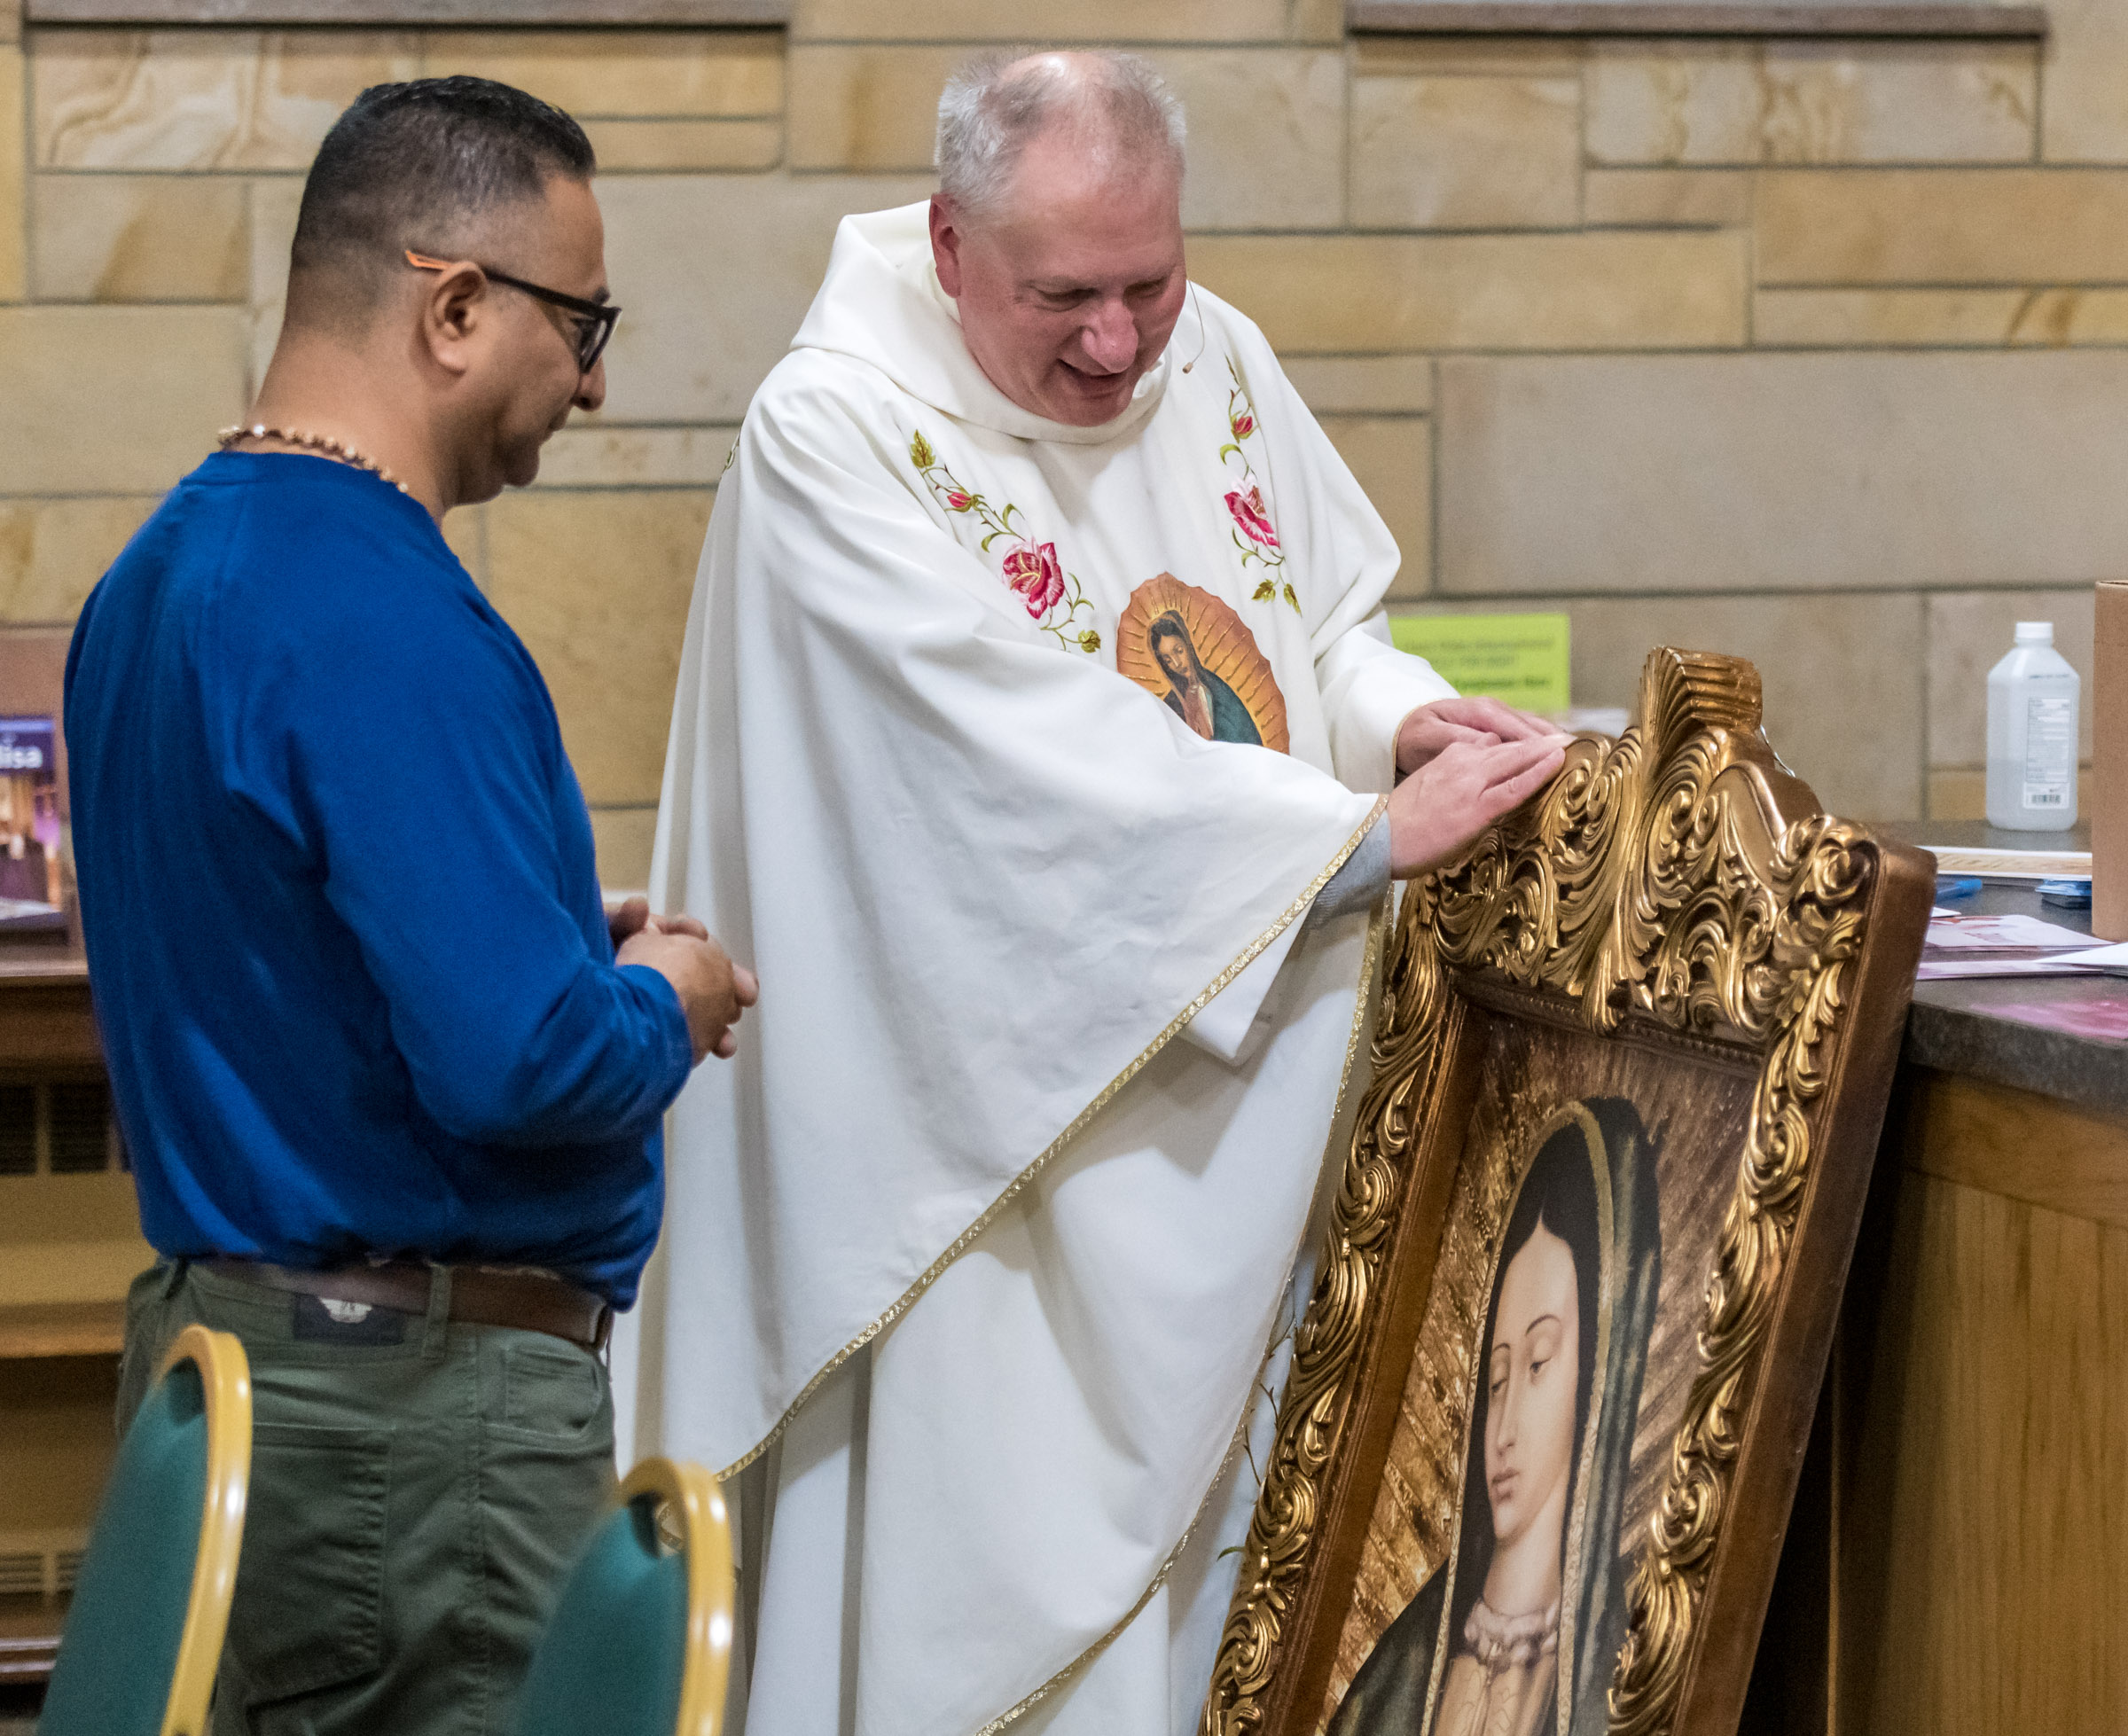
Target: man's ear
[[450, 313], [945, 245]]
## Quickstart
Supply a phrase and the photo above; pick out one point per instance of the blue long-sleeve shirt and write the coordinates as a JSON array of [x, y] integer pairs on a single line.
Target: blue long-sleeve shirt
[[345, 932]]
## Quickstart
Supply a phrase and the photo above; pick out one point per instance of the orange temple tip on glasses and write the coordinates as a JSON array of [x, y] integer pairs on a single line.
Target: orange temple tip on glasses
[[423, 262]]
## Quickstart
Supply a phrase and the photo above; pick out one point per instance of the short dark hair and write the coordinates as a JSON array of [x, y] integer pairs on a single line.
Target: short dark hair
[[407, 164]]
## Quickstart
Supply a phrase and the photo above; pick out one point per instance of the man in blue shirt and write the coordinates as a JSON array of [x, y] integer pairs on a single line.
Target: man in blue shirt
[[392, 1097]]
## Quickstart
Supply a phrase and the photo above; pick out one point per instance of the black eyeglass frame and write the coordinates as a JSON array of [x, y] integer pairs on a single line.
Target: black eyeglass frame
[[596, 320]]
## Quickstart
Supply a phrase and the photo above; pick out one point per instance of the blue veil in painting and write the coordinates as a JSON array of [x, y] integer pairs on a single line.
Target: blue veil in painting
[[1592, 1184]]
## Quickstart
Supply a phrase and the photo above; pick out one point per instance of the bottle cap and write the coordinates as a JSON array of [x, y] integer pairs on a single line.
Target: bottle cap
[[2035, 632]]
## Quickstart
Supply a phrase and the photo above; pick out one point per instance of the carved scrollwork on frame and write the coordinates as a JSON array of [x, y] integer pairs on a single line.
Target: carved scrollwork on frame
[[1660, 880]]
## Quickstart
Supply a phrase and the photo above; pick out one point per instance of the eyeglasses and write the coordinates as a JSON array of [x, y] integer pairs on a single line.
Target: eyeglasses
[[595, 320]]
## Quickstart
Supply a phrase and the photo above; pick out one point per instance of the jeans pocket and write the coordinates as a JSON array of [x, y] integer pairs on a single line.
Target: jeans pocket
[[309, 1602], [552, 1388]]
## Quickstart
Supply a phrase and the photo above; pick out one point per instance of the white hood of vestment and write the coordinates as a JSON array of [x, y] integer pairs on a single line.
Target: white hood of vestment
[[881, 304]]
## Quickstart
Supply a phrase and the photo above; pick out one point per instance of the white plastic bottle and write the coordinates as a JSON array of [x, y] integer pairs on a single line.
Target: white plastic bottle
[[2032, 698]]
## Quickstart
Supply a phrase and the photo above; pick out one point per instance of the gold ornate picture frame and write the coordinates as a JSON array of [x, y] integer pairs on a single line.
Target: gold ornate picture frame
[[1635, 1047]]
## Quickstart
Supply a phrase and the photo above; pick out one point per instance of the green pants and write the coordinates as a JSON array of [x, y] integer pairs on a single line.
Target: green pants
[[419, 1490]]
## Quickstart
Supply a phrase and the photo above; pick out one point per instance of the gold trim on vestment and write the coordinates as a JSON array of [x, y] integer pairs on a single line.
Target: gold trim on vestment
[[1377, 927], [960, 1244]]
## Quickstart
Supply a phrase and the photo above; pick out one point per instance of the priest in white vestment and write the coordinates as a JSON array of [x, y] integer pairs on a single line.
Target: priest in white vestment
[[1036, 737]]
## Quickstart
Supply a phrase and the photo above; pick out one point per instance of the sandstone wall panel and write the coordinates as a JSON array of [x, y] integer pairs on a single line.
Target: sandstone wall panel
[[2018, 226], [1666, 198], [53, 551], [125, 237], [602, 455], [597, 586], [14, 173], [623, 73], [2085, 118], [1597, 290], [1936, 318], [115, 400], [1812, 102], [1782, 472], [707, 318], [1011, 22], [178, 99], [1380, 384], [622, 838], [1464, 152], [1392, 456], [693, 146]]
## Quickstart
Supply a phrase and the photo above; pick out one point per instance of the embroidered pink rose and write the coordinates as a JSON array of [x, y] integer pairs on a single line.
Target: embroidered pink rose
[[1249, 514], [1243, 424], [1034, 571], [1030, 569]]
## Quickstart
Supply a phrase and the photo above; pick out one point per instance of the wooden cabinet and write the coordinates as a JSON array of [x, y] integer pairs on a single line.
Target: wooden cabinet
[[1957, 1563], [69, 1245]]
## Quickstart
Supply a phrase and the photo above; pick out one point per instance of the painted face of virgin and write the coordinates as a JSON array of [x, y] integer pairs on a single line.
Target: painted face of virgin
[[1174, 656], [1535, 1358], [1070, 294]]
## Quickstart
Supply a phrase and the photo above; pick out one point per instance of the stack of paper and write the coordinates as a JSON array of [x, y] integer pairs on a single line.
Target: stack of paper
[[2012, 945], [2113, 959], [2013, 867]]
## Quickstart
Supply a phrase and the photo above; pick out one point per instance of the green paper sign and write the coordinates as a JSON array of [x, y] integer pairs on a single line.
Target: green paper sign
[[1519, 658]]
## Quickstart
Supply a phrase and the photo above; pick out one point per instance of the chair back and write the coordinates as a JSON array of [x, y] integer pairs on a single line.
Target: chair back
[[640, 1643], [143, 1632]]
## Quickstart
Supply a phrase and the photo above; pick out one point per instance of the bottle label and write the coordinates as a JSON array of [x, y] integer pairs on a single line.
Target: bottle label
[[2050, 752]]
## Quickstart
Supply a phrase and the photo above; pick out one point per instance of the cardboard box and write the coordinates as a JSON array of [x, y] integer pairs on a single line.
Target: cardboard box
[[2109, 765]]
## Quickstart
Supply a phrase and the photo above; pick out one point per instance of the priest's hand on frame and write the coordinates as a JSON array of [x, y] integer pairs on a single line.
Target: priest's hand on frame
[[1479, 722], [1460, 791]]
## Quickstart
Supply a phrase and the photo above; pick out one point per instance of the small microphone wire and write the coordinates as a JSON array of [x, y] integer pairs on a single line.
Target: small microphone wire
[[1203, 331]]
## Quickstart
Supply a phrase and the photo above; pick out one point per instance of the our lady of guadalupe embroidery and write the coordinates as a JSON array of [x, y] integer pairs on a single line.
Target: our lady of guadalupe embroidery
[[1029, 568], [1189, 650], [1253, 532]]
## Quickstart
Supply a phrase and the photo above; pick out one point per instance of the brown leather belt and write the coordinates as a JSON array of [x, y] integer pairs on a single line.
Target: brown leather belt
[[479, 1295]]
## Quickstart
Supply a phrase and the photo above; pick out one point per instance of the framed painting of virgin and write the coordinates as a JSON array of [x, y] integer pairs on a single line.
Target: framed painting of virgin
[[1536, 1451]]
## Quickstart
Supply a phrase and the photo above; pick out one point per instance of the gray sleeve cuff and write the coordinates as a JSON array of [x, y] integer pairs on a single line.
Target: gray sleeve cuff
[[1362, 880]]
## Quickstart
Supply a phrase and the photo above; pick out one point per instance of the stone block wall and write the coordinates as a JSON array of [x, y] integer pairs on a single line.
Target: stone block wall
[[1808, 351]]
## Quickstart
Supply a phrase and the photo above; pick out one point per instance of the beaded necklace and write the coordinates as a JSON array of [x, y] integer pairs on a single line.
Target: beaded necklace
[[323, 444]]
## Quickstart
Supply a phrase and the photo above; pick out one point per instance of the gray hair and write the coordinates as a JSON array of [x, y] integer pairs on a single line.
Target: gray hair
[[989, 111]]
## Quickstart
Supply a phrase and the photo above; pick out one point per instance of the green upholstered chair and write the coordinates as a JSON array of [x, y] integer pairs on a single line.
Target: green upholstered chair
[[640, 1643], [143, 1634]]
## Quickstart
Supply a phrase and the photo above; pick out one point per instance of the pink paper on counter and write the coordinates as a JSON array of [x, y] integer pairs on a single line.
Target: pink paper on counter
[[2002, 933], [2105, 1020]]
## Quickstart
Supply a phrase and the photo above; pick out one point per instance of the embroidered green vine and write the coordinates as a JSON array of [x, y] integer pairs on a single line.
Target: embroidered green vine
[[1252, 531], [1029, 568]]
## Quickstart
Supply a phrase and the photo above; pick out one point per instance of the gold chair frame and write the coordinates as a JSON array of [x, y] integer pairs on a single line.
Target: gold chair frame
[[694, 1504], [225, 1381]]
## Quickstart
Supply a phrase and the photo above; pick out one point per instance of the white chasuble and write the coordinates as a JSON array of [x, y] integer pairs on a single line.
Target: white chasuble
[[1008, 754]]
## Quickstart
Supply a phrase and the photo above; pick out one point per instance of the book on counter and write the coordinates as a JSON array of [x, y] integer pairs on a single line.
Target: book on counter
[[32, 891]]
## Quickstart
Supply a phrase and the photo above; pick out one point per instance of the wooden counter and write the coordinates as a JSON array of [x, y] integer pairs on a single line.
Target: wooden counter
[[1957, 1561], [1978, 1425]]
